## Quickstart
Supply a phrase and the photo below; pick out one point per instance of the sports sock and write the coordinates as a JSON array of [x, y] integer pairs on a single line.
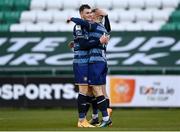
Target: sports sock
[[82, 116], [106, 118], [94, 116], [94, 105], [89, 100], [108, 104], [82, 101], [102, 105]]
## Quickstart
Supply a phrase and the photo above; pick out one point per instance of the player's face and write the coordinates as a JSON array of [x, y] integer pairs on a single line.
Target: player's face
[[86, 14], [94, 16]]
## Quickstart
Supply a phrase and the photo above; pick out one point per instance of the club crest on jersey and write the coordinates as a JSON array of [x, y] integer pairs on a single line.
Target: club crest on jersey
[[78, 27], [85, 78]]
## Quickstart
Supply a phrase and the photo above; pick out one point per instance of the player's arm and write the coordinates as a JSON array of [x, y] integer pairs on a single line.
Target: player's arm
[[88, 44], [107, 24], [89, 26]]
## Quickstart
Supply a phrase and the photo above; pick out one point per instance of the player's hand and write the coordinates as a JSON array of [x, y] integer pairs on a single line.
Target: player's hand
[[104, 39], [68, 20], [71, 44]]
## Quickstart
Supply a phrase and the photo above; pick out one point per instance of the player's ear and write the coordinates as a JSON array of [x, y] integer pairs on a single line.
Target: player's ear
[[81, 14]]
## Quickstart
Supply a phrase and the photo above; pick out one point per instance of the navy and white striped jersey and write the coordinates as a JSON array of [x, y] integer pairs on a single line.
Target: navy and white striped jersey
[[97, 54], [80, 56], [96, 30]]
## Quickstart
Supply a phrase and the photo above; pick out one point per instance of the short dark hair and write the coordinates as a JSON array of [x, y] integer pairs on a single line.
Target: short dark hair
[[84, 6]]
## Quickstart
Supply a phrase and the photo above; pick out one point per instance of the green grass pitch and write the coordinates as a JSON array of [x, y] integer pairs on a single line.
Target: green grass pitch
[[66, 119]]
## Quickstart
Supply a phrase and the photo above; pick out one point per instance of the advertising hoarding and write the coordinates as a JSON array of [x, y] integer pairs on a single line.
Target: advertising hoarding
[[144, 91]]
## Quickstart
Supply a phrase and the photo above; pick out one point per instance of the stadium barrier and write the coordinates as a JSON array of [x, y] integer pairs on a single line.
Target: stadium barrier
[[36, 69]]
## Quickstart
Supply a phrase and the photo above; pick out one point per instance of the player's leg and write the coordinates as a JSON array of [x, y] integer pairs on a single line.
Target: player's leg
[[104, 74], [97, 78], [92, 100], [89, 97], [95, 119], [109, 109], [102, 106], [101, 101], [81, 74], [82, 106], [82, 101]]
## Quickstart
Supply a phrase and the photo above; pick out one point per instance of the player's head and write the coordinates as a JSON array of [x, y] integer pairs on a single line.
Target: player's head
[[96, 15], [85, 12]]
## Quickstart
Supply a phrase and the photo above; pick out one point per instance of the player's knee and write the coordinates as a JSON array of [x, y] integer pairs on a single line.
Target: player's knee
[[90, 91], [97, 91], [83, 89], [104, 91]]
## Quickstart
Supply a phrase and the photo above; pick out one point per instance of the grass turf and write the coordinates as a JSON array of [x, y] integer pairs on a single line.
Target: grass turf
[[66, 119]]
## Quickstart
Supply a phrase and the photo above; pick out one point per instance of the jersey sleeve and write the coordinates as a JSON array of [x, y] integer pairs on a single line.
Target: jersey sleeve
[[74, 34], [87, 25], [78, 32], [86, 44], [107, 24]]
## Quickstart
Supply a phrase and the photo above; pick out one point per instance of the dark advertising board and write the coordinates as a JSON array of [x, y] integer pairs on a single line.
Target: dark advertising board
[[37, 92]]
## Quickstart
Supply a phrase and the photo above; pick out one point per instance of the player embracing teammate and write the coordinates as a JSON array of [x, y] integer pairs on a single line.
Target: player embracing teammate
[[90, 65]]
